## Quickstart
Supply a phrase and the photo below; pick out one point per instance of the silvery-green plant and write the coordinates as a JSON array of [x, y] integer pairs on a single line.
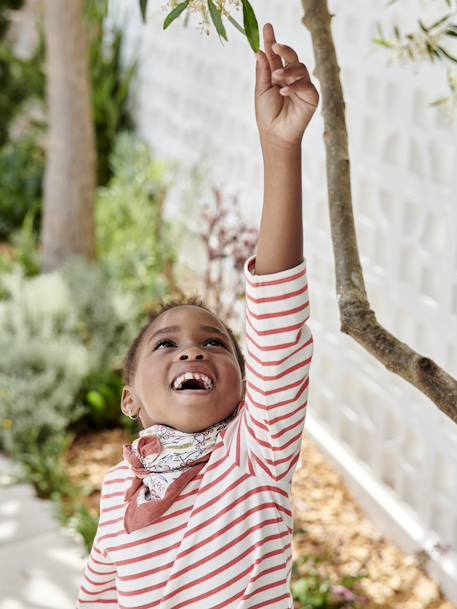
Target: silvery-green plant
[[55, 330]]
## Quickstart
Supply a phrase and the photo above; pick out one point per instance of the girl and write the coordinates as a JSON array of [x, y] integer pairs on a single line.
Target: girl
[[198, 514]]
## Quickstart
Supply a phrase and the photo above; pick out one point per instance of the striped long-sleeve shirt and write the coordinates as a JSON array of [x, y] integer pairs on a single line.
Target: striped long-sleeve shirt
[[226, 542]]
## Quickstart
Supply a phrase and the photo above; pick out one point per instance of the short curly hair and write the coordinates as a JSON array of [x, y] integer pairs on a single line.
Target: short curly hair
[[131, 359]]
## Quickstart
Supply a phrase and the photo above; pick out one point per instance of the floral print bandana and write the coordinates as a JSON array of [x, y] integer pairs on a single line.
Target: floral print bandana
[[164, 460]]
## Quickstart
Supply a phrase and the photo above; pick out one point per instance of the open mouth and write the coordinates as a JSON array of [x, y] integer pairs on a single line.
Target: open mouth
[[193, 382]]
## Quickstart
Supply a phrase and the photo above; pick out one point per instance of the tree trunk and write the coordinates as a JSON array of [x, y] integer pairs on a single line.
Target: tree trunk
[[357, 318], [70, 178]]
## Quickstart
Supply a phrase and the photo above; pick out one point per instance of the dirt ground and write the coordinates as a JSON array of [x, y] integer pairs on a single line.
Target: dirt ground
[[328, 524]]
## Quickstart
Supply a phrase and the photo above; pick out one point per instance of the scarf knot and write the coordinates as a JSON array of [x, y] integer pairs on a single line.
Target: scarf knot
[[164, 460]]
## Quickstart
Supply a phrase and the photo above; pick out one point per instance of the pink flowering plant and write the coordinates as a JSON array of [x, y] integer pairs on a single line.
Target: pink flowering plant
[[228, 242]]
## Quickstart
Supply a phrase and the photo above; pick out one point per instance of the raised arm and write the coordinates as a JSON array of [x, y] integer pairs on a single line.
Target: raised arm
[[266, 440], [281, 119]]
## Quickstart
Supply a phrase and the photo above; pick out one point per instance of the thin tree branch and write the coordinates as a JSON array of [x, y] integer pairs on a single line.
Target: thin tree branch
[[357, 318]]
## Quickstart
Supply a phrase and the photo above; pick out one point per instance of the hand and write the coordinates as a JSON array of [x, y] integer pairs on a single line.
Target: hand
[[282, 117]]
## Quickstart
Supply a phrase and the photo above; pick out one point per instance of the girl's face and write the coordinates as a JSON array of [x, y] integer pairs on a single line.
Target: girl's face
[[184, 339]]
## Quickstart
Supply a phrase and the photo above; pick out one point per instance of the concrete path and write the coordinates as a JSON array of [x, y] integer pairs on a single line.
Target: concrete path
[[41, 564]]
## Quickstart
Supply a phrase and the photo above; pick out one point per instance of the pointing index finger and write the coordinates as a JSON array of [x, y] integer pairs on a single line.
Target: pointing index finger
[[269, 39]]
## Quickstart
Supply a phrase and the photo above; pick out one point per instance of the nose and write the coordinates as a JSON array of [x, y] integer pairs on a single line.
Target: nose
[[192, 353]]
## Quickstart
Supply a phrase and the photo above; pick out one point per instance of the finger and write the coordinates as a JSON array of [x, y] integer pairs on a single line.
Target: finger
[[263, 73], [285, 52], [269, 39], [304, 91], [291, 74]]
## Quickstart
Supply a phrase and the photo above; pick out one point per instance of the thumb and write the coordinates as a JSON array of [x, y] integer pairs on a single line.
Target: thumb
[[263, 73]]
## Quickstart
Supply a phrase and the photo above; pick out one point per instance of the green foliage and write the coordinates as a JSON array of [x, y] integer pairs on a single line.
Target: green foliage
[[55, 331], [101, 395], [22, 160], [85, 524], [5, 7], [133, 239], [21, 163], [428, 43], [22, 250], [110, 89], [143, 8], [64, 335], [42, 463], [250, 25], [102, 392], [312, 590], [21, 173], [25, 242], [215, 13], [13, 87], [174, 14]]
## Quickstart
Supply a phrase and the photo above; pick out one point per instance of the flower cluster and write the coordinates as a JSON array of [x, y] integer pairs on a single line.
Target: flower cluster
[[201, 7]]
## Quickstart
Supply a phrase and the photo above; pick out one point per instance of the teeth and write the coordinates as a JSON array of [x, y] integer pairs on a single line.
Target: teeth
[[208, 383]]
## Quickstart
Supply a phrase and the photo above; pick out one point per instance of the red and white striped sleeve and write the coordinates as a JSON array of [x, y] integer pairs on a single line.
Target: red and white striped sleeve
[[98, 585], [279, 348]]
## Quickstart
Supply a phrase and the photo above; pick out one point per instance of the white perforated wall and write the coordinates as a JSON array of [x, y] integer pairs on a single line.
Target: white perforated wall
[[194, 103]]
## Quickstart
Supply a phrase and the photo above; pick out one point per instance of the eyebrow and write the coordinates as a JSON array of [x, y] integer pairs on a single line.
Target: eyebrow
[[171, 329]]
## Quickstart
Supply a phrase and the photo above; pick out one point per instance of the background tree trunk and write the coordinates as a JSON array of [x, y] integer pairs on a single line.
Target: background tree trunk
[[70, 178]]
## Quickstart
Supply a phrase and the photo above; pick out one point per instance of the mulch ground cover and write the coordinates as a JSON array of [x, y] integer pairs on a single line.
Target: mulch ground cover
[[331, 532]]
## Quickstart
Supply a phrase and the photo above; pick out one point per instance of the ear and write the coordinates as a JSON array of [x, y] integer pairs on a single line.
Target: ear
[[129, 401]]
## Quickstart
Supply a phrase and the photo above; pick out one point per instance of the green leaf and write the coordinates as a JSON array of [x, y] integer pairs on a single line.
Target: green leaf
[[216, 18], [236, 24], [383, 43], [439, 22], [447, 54], [250, 25], [143, 8], [431, 51], [175, 13], [348, 581], [300, 589], [450, 33], [422, 26], [96, 400], [439, 101]]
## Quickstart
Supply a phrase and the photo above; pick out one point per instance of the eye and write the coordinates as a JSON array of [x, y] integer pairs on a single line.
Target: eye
[[162, 342], [216, 340]]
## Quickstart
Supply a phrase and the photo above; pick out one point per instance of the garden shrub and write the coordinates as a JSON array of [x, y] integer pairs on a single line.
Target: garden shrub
[[22, 153], [55, 331], [21, 175], [135, 242]]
